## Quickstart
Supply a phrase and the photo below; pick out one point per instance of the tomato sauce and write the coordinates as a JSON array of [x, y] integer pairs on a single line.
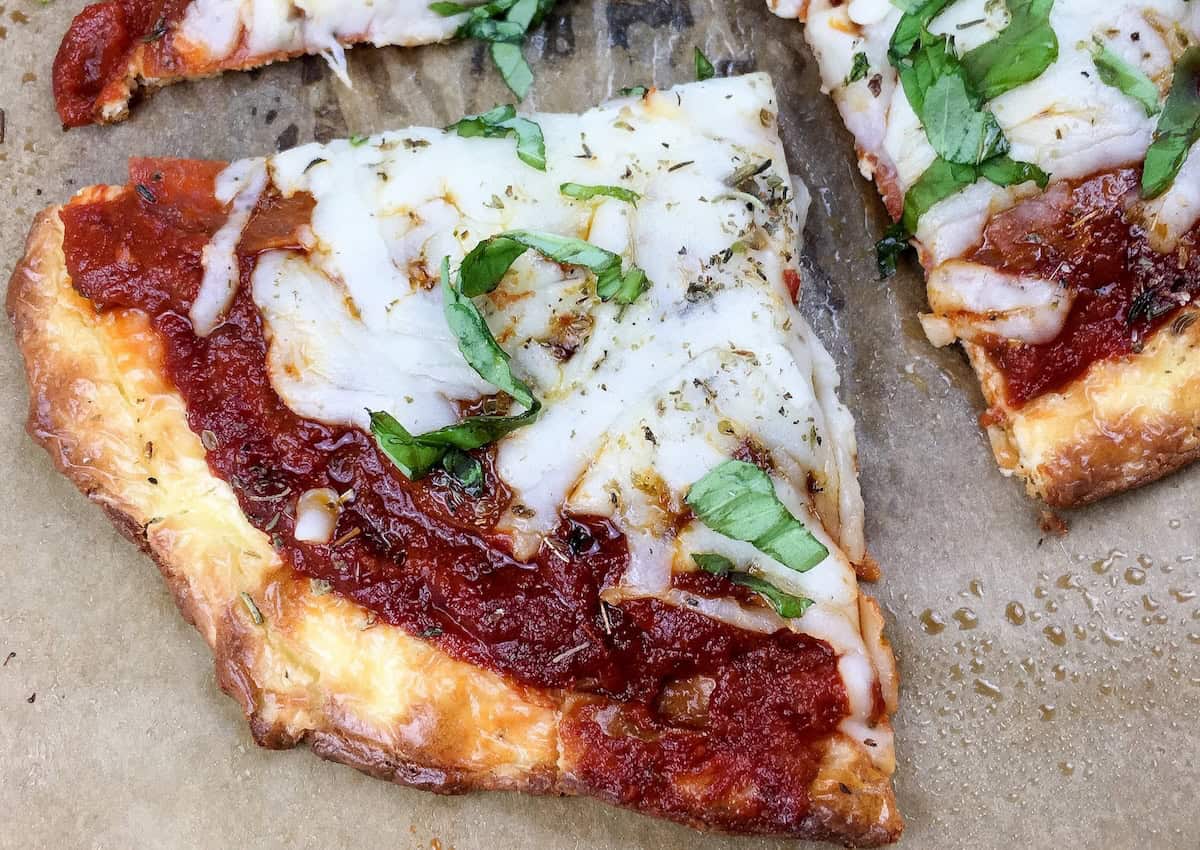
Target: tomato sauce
[[424, 556], [95, 52], [1080, 234]]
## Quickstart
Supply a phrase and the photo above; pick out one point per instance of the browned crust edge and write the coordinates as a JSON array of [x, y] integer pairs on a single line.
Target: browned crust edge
[[866, 818]]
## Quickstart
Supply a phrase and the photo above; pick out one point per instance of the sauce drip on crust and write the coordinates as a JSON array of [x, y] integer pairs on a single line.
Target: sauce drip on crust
[[669, 711], [1081, 234]]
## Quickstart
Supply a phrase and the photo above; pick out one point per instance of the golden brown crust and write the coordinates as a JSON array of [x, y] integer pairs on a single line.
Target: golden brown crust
[[1128, 421], [304, 665]]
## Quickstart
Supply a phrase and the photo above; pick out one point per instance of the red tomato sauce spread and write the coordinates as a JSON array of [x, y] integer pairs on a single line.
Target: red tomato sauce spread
[[95, 54], [661, 697], [1080, 234]]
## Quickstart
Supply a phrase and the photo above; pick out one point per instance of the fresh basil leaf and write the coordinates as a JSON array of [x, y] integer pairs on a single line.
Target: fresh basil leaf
[[447, 9], [943, 179], [414, 458], [858, 68], [633, 91], [890, 248], [785, 604], [503, 121], [476, 342], [956, 129], [1178, 127], [713, 563], [464, 469], [933, 58], [939, 181], [583, 192], [1018, 55], [416, 455], [1005, 171], [486, 263], [737, 499], [358, 140], [1126, 78], [513, 68], [912, 25], [488, 29], [704, 68]]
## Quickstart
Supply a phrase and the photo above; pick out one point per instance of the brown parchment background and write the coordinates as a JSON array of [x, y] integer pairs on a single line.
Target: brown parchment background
[[113, 733]]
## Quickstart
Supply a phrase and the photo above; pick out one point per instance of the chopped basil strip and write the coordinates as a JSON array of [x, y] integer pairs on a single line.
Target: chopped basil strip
[[1018, 55], [505, 34], [943, 179], [912, 25], [704, 68], [416, 455], [464, 469], [1178, 127], [503, 121], [957, 128], [858, 68], [785, 605], [487, 262], [889, 249], [633, 91], [581, 192], [1127, 79], [737, 499], [357, 140]]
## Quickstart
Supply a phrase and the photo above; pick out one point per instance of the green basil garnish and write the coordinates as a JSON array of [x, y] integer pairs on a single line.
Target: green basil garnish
[[858, 68], [1178, 127], [582, 192], [956, 127], [890, 248], [486, 263], [1127, 79], [503, 121], [704, 68], [785, 605], [633, 91], [505, 34], [416, 455], [1018, 55], [737, 499]]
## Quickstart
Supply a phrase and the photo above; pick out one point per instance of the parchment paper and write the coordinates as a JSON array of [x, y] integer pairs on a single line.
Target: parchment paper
[[114, 734]]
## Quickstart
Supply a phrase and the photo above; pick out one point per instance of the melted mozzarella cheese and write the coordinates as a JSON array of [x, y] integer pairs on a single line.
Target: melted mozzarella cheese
[[216, 29], [1067, 121], [640, 401]]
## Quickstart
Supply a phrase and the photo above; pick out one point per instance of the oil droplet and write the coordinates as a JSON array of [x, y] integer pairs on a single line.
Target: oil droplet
[[1067, 582], [977, 666], [1059, 671], [1135, 575], [1107, 688], [1112, 638], [932, 623], [1015, 613], [1106, 563], [1160, 619], [988, 689], [976, 587], [1048, 711], [1183, 595], [1080, 631], [1055, 635], [1066, 768], [1028, 665], [956, 673], [1040, 592], [1145, 562], [1051, 606], [1149, 602], [967, 619], [1194, 637], [1174, 524]]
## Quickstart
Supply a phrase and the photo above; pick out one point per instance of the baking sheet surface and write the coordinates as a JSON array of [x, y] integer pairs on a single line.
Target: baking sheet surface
[[1051, 685]]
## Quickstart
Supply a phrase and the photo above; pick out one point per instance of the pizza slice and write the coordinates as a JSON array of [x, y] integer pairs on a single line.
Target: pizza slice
[[1038, 155], [492, 457], [116, 47]]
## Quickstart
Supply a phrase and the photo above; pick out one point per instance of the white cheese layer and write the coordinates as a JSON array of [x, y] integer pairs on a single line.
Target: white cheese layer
[[639, 402], [215, 30], [1067, 121]]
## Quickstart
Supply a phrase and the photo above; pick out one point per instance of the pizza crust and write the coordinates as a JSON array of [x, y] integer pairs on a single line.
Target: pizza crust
[[317, 668], [1128, 421]]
